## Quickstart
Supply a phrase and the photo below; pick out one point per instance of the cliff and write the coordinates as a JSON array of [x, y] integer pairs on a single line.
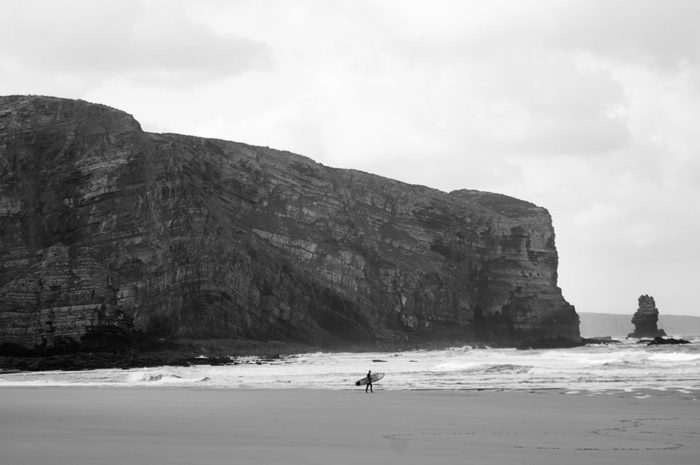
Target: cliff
[[108, 232]]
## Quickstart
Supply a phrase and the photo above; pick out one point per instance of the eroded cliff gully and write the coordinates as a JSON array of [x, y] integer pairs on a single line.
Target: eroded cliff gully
[[108, 232]]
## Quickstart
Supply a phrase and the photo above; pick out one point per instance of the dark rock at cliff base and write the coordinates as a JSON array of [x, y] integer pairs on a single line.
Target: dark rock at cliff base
[[665, 341], [111, 235], [552, 343], [601, 340], [646, 318]]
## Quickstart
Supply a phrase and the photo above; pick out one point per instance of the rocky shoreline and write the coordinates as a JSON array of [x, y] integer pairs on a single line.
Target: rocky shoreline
[[219, 352], [226, 352], [155, 353]]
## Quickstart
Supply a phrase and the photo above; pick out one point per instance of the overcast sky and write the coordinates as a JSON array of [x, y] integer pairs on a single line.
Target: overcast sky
[[588, 108]]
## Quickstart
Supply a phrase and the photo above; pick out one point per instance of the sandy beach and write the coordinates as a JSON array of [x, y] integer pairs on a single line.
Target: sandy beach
[[90, 426]]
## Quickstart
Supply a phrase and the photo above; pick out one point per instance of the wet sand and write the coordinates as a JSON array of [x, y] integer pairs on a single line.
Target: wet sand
[[91, 426]]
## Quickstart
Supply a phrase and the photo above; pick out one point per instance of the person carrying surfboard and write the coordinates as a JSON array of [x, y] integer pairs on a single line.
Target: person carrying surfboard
[[369, 380]]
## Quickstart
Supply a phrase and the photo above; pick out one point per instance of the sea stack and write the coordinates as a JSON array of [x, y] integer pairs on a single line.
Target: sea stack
[[646, 318]]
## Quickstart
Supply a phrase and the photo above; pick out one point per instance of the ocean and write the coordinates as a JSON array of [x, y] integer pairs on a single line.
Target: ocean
[[625, 366]]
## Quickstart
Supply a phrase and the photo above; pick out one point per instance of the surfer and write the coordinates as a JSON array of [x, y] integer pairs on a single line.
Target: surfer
[[369, 382]]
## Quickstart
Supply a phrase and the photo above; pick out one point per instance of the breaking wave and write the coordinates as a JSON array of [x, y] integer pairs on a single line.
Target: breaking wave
[[590, 368]]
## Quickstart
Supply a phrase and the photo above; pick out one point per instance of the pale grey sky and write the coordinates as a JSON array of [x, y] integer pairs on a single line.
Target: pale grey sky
[[589, 108]]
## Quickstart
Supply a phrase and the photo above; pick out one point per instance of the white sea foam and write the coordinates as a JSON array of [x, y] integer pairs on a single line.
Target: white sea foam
[[674, 357], [455, 366], [161, 378], [591, 369]]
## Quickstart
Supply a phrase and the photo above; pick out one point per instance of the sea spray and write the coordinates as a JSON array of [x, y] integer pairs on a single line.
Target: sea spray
[[597, 368]]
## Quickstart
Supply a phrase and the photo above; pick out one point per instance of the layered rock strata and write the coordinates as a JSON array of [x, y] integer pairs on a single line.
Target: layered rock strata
[[646, 318], [107, 231]]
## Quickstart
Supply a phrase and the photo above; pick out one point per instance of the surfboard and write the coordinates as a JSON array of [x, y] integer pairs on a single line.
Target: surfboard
[[375, 377]]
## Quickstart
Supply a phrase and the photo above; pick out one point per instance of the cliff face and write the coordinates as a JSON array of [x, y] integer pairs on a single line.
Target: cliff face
[[106, 230]]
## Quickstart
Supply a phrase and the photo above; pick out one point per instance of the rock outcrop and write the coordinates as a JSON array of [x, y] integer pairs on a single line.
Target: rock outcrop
[[645, 319], [107, 232], [660, 341]]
